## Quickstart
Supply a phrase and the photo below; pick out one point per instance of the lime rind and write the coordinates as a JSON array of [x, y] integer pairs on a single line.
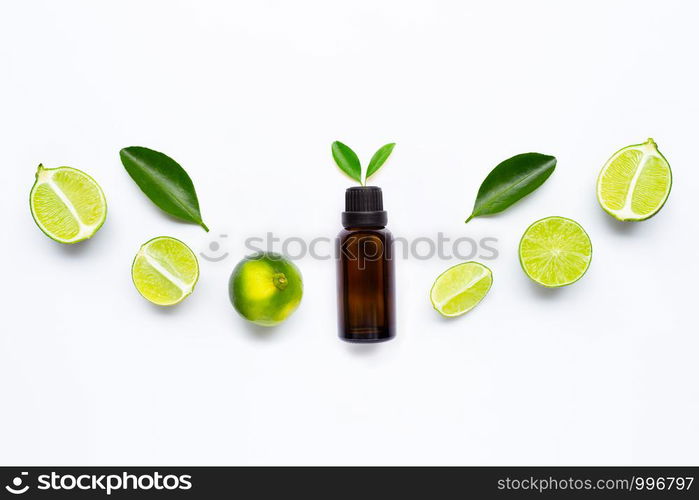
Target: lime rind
[[265, 288], [156, 278], [649, 150], [537, 277], [451, 297], [44, 178]]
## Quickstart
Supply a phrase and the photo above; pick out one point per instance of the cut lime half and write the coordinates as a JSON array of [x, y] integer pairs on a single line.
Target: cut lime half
[[555, 251], [165, 271], [635, 182], [460, 288], [67, 204]]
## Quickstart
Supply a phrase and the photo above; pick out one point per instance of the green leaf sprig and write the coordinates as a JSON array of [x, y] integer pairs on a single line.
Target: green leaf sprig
[[348, 161], [510, 181], [164, 181]]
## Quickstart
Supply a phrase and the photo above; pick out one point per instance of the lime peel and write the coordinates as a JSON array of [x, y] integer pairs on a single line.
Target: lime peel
[[265, 288]]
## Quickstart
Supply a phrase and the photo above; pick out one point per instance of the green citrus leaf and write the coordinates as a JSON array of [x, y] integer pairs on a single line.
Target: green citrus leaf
[[379, 159], [512, 180], [164, 181], [347, 160]]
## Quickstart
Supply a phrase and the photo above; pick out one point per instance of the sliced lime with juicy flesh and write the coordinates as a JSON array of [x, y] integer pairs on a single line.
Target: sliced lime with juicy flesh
[[165, 271], [555, 251], [67, 204], [635, 182], [460, 288]]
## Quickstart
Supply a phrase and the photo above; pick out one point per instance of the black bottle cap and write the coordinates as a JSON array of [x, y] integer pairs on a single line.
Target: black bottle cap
[[364, 207]]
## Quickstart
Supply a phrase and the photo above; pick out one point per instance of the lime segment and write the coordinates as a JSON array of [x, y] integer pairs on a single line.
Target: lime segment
[[555, 251], [460, 288], [165, 271], [67, 204], [635, 182]]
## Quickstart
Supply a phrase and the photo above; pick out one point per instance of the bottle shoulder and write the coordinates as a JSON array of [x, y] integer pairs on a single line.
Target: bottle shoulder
[[368, 231]]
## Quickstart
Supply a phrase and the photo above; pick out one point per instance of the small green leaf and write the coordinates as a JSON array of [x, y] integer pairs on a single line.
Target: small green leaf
[[347, 160], [164, 181], [379, 159], [511, 181]]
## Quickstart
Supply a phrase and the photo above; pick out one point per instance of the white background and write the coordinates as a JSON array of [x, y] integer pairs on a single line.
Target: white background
[[248, 97]]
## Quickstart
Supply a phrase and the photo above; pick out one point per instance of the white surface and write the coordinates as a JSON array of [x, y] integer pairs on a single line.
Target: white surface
[[248, 97]]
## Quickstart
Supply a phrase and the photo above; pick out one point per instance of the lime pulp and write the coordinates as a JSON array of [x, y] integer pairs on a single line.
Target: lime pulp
[[635, 182], [67, 204], [555, 251], [165, 271], [460, 288]]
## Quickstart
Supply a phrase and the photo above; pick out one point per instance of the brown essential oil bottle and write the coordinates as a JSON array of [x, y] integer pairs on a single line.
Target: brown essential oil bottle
[[365, 285]]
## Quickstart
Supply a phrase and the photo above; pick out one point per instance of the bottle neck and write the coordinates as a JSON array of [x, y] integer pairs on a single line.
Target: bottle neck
[[364, 228]]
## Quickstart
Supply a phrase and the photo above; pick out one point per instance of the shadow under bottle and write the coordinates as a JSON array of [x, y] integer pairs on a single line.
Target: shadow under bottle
[[365, 274]]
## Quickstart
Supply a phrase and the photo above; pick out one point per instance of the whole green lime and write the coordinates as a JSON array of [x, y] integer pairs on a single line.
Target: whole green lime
[[265, 288]]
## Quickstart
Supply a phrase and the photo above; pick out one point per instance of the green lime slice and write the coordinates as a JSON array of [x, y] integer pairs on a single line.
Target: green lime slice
[[265, 288], [635, 182], [460, 288], [165, 271], [67, 204], [555, 251]]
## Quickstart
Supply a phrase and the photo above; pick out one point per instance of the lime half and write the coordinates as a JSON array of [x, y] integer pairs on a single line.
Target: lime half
[[67, 204], [635, 182], [555, 251], [460, 288], [165, 271]]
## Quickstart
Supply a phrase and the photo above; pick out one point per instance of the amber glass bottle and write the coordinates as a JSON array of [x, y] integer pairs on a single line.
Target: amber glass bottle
[[365, 283]]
